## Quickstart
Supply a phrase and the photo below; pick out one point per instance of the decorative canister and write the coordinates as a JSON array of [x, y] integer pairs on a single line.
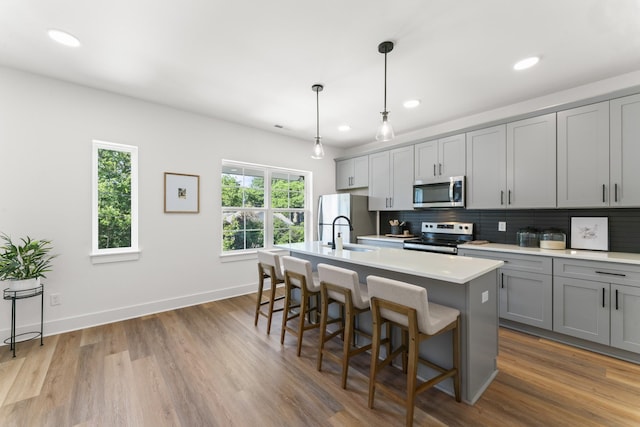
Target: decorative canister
[[553, 239], [528, 237]]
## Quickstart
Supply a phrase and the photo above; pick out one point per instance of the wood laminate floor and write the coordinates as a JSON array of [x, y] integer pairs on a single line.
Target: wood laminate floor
[[208, 365]]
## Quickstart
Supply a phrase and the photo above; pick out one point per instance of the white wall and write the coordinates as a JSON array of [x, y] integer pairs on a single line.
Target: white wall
[[46, 132]]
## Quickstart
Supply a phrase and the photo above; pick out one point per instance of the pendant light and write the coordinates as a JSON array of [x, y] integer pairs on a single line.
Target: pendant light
[[318, 151], [385, 131]]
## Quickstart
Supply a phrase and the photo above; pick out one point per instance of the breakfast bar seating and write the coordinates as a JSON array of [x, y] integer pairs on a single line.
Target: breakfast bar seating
[[341, 286], [298, 274], [407, 307], [269, 267]]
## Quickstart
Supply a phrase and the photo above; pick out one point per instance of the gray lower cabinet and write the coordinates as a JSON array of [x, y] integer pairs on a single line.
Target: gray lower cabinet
[[581, 309], [526, 297], [625, 317], [525, 287], [598, 301]]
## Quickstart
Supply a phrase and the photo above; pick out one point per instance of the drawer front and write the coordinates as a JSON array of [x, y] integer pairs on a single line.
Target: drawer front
[[597, 271], [530, 263]]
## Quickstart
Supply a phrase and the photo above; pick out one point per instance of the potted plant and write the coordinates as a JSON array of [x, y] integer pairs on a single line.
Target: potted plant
[[23, 264]]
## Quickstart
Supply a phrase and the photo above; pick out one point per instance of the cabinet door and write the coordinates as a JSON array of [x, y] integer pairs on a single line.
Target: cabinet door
[[379, 188], [360, 172], [583, 156], [401, 179], [625, 151], [426, 161], [344, 174], [526, 298], [531, 163], [625, 317], [581, 309], [452, 156], [486, 168]]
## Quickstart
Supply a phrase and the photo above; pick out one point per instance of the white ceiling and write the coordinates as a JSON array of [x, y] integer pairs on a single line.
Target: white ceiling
[[254, 61]]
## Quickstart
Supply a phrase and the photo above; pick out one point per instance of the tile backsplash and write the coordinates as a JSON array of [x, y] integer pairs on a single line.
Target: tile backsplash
[[624, 224]]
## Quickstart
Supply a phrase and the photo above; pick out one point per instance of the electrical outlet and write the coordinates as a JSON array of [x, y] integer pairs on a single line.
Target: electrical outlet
[[485, 296], [502, 226], [54, 299]]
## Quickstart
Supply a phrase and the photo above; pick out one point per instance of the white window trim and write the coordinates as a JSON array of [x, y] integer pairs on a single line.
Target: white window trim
[[268, 217], [99, 256]]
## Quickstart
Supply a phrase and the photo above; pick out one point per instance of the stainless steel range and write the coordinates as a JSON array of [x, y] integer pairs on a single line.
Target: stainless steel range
[[442, 237]]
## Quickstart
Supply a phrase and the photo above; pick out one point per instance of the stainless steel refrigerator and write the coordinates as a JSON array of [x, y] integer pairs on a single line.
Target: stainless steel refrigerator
[[353, 207]]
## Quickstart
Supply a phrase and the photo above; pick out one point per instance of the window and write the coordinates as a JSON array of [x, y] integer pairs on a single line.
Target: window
[[115, 199], [261, 206]]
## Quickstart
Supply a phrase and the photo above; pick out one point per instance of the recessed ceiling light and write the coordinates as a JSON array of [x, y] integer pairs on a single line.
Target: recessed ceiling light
[[526, 63], [64, 38], [411, 103], [344, 128]]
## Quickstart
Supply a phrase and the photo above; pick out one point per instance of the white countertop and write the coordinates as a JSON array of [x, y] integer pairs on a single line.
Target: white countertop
[[384, 238], [620, 257], [448, 268]]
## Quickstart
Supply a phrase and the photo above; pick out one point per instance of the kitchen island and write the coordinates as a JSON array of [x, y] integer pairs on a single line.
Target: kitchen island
[[468, 284]]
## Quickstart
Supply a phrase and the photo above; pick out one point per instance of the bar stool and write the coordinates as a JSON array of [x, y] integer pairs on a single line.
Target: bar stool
[[341, 286], [268, 268], [408, 307], [298, 274]]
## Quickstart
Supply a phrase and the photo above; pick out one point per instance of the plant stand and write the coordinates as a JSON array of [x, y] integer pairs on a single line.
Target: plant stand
[[16, 295]]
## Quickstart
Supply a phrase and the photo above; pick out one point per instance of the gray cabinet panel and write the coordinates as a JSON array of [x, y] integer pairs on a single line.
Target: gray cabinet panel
[[486, 168], [625, 317], [581, 309], [526, 298], [625, 151]]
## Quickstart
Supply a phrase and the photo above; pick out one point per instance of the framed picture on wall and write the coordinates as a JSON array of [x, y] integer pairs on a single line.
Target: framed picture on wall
[[590, 233], [181, 193]]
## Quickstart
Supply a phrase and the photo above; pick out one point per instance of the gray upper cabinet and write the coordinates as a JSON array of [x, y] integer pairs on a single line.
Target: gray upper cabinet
[[513, 166], [486, 168], [625, 151], [583, 156], [440, 159], [531, 163], [352, 173], [391, 180]]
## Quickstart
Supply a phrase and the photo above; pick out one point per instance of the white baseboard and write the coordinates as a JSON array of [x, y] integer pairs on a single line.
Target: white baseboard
[[59, 326]]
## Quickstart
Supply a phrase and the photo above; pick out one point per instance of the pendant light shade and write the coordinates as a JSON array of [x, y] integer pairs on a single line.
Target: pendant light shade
[[318, 151], [385, 131]]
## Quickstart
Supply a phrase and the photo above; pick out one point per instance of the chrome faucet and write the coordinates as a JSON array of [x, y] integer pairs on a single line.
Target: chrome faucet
[[333, 229]]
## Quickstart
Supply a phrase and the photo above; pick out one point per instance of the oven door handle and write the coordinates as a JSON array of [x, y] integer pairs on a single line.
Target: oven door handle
[[451, 184]]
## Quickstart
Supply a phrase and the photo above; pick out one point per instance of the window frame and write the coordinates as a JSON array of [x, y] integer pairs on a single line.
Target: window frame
[[268, 210], [114, 254]]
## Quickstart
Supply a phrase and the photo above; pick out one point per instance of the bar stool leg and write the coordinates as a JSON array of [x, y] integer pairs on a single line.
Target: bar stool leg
[[347, 325], [323, 325], [412, 373], [285, 311], [259, 299], [304, 302], [272, 299], [375, 352]]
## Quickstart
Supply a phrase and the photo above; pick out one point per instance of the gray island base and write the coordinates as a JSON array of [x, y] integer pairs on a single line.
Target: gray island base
[[468, 284]]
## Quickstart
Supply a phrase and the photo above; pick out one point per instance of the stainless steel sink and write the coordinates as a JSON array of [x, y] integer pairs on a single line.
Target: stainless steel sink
[[355, 248]]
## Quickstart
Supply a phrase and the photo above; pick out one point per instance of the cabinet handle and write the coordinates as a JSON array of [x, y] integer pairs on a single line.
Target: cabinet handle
[[386, 202], [439, 168], [390, 202], [611, 274], [509, 197], [502, 280], [501, 197], [603, 195], [615, 192], [616, 299], [602, 297], [434, 169]]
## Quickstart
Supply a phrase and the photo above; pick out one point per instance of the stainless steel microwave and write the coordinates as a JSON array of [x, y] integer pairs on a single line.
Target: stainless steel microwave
[[441, 194]]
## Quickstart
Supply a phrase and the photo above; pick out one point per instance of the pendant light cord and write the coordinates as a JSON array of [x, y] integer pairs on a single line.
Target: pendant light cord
[[317, 114], [385, 82]]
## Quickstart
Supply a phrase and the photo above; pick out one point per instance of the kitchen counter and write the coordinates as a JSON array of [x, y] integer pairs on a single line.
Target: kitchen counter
[[619, 257], [448, 268], [383, 238], [467, 284]]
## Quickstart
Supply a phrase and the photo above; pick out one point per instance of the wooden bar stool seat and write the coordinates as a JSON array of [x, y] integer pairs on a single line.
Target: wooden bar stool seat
[[341, 286], [268, 268], [407, 307], [299, 275]]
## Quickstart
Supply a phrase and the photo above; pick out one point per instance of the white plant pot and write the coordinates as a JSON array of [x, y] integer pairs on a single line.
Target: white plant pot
[[22, 285]]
